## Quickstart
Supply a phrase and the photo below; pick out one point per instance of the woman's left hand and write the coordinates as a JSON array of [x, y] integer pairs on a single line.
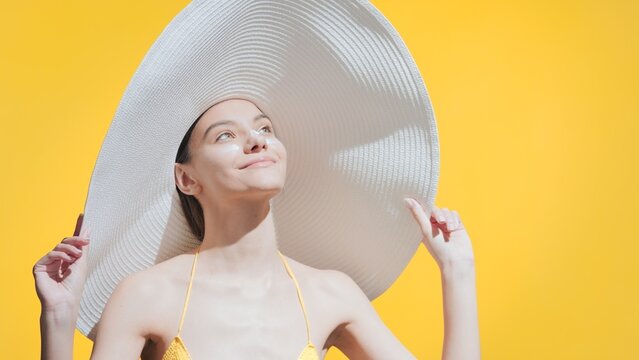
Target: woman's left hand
[[444, 235]]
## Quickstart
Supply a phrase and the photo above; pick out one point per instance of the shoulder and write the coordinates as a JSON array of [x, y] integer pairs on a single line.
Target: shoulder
[[357, 330], [335, 295], [140, 298], [141, 285], [342, 287], [331, 283], [153, 281], [134, 311]]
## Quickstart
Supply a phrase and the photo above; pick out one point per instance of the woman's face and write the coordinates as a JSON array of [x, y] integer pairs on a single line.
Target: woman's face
[[228, 136]]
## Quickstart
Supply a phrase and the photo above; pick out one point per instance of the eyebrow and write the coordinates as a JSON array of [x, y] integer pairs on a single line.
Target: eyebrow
[[223, 122]]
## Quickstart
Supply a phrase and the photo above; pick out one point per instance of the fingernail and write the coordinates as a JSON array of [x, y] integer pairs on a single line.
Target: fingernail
[[408, 203]]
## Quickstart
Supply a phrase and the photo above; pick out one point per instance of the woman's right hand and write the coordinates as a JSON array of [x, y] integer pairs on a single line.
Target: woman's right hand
[[60, 274]]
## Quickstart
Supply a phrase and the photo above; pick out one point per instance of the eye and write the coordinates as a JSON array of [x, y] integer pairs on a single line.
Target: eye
[[220, 136], [268, 127]]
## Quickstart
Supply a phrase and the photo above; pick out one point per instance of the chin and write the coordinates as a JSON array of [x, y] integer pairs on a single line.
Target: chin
[[266, 193], [270, 189], [266, 186]]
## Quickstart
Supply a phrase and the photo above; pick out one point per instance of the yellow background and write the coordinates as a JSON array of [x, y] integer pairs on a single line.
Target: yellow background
[[536, 105]]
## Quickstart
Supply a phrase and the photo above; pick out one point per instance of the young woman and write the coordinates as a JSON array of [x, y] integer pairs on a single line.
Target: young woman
[[244, 298]]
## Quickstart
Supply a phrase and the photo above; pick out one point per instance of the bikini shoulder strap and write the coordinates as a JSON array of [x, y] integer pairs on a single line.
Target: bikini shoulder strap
[[188, 291], [299, 294]]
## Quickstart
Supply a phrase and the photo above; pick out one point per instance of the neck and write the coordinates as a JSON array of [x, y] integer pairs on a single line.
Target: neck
[[239, 241]]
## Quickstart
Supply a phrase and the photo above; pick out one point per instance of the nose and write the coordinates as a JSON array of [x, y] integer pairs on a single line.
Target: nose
[[255, 143]]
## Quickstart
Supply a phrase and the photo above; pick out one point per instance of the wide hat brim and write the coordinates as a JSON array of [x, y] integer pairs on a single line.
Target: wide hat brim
[[348, 102]]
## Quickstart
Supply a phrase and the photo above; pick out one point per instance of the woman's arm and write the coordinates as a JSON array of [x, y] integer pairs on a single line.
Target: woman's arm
[[57, 328], [59, 278], [447, 241], [121, 331], [461, 328], [125, 320], [362, 335]]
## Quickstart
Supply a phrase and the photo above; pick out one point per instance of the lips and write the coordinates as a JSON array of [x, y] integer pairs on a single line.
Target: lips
[[263, 161]]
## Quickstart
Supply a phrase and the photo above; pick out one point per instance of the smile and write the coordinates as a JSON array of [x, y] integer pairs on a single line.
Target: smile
[[264, 163]]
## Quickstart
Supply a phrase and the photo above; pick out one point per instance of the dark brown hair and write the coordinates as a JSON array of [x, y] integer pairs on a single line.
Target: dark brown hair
[[190, 205]]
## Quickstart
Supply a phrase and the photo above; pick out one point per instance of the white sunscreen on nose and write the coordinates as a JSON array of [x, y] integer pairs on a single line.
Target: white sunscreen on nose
[[232, 147]]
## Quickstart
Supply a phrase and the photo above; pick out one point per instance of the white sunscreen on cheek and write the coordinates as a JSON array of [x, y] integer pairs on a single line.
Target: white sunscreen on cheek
[[270, 141], [231, 148]]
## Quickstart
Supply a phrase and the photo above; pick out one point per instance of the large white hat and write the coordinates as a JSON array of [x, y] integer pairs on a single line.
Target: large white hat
[[348, 103]]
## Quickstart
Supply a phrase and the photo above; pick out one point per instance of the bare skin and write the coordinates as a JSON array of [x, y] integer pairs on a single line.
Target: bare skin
[[243, 302]]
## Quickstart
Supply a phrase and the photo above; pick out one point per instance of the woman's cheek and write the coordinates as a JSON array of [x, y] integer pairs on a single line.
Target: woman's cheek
[[276, 144], [229, 148]]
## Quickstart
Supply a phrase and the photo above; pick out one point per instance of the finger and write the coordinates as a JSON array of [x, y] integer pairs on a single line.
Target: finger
[[53, 256], [64, 273], [78, 225], [438, 216], [457, 219], [76, 241], [421, 216], [69, 249], [449, 220], [61, 255], [440, 219], [433, 214]]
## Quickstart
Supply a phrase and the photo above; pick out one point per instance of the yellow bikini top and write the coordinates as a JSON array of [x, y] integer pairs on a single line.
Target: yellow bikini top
[[177, 350]]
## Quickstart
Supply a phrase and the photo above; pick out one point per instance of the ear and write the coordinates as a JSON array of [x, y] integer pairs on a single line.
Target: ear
[[184, 181]]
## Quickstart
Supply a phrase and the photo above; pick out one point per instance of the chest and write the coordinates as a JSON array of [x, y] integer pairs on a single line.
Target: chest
[[248, 321]]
